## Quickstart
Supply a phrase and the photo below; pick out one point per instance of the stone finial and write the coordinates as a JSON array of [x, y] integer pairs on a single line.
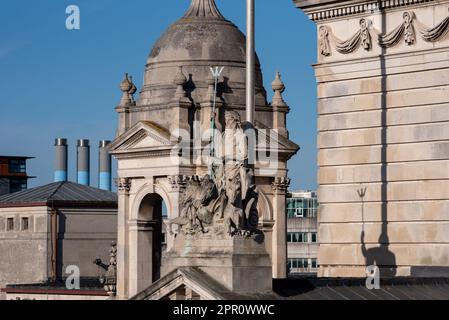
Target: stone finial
[[180, 80], [129, 89], [278, 88], [206, 9]]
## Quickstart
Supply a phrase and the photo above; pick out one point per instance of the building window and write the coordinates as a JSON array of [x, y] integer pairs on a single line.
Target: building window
[[16, 185], [314, 237], [314, 264], [25, 224], [17, 166], [302, 208], [297, 237], [10, 224], [164, 238], [298, 263]]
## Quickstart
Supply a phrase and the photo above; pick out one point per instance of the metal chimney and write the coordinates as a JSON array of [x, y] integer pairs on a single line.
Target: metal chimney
[[104, 166], [61, 156], [83, 162]]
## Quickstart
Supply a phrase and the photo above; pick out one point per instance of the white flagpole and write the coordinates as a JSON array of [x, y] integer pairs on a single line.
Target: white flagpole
[[250, 60]]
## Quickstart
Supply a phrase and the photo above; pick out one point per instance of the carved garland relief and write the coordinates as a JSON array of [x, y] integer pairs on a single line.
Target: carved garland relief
[[362, 38]]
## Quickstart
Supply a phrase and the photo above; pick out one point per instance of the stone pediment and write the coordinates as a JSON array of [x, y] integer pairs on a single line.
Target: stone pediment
[[143, 136], [188, 283]]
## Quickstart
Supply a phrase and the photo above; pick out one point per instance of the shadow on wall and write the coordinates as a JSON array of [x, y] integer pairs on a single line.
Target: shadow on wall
[[381, 256]]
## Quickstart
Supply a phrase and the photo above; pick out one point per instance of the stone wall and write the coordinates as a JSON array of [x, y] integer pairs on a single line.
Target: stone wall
[[23, 253], [383, 120]]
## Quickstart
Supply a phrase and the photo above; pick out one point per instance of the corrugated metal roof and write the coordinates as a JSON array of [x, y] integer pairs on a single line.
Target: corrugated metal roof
[[60, 193]]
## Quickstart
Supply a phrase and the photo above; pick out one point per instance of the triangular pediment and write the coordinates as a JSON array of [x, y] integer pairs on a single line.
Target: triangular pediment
[[143, 136], [188, 283]]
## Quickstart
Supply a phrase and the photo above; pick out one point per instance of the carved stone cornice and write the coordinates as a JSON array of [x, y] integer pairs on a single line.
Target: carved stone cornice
[[318, 10], [280, 184], [123, 184]]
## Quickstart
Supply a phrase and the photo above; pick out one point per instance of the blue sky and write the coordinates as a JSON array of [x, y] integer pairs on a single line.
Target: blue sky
[[60, 83]]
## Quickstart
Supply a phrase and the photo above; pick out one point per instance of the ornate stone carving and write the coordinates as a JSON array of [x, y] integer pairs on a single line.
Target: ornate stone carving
[[224, 202], [281, 184], [123, 184], [323, 41], [437, 33], [356, 8], [405, 31], [109, 279], [361, 39], [177, 182]]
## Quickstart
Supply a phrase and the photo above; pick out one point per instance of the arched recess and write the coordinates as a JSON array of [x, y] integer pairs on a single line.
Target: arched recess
[[146, 241]]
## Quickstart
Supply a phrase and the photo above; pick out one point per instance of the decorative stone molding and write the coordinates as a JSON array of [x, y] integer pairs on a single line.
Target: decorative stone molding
[[323, 41], [123, 184], [281, 184], [405, 31], [361, 38], [437, 33], [178, 182], [349, 9]]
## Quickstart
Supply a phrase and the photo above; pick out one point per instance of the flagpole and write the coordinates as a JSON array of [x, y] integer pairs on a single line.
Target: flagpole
[[250, 60]]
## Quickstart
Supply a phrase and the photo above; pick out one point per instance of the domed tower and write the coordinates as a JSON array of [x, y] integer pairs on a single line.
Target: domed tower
[[202, 38], [172, 113]]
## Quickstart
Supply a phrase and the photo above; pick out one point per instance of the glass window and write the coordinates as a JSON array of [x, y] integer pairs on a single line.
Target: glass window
[[10, 224], [17, 166], [314, 237], [314, 264], [25, 223], [16, 185]]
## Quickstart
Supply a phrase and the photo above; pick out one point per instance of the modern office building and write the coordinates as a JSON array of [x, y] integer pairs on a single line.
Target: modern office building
[[13, 174], [302, 233]]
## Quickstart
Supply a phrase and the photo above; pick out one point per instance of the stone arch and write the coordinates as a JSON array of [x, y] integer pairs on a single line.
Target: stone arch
[[145, 233]]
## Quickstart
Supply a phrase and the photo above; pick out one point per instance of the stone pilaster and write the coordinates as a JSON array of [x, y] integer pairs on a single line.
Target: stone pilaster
[[123, 186], [279, 251]]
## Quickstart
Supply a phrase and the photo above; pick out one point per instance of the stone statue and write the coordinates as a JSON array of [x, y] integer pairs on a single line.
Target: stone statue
[[226, 200]]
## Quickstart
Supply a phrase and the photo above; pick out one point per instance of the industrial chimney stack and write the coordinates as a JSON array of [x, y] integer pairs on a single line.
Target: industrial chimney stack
[[83, 162], [61, 156], [104, 165]]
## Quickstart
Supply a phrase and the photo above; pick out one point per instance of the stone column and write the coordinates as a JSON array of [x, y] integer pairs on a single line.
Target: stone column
[[178, 184], [279, 251], [124, 186]]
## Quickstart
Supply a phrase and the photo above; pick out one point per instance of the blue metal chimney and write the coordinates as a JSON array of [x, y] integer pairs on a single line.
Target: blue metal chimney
[[104, 165]]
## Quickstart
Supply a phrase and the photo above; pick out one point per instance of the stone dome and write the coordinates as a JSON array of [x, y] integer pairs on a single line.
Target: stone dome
[[200, 39]]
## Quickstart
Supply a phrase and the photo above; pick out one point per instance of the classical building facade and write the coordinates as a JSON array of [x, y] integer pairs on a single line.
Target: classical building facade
[[164, 139], [383, 121]]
